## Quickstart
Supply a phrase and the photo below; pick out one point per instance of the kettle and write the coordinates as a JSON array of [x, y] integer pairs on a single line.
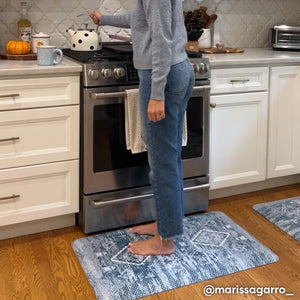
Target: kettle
[[84, 39]]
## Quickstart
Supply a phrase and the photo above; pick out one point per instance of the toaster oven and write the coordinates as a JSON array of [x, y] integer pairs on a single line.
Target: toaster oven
[[286, 37]]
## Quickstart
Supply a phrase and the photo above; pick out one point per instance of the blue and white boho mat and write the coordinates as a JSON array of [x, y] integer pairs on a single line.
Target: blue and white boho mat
[[285, 214], [212, 245]]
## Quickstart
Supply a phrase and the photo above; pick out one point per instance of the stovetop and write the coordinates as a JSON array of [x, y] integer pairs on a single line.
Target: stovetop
[[116, 51], [99, 55], [113, 65]]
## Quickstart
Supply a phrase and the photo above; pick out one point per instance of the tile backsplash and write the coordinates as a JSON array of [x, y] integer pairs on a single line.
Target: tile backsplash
[[240, 23]]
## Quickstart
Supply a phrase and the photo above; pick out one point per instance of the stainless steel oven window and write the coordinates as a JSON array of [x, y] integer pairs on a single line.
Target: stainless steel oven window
[[195, 156], [109, 143], [195, 130]]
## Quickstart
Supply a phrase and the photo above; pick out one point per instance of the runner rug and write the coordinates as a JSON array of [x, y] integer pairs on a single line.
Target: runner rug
[[285, 214], [212, 246]]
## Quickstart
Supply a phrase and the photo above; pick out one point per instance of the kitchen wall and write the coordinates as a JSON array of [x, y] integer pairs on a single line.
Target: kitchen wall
[[241, 23]]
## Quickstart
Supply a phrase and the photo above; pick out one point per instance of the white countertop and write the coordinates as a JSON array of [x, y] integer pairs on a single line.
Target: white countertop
[[251, 56], [30, 67], [254, 56]]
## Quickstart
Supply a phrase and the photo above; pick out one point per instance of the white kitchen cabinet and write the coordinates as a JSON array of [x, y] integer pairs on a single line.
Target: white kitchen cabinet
[[238, 126], [38, 92], [239, 80], [39, 148], [38, 191], [34, 136], [284, 122]]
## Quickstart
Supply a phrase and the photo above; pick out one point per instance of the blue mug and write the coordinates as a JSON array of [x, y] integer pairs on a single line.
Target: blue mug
[[46, 55]]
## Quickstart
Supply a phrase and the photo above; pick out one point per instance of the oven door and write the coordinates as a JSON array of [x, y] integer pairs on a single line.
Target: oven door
[[108, 165]]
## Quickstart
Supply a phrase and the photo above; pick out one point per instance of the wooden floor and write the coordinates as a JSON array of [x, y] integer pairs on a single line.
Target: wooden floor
[[44, 266]]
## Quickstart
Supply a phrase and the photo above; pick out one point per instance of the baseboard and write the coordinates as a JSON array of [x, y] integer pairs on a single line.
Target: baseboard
[[253, 187], [36, 226]]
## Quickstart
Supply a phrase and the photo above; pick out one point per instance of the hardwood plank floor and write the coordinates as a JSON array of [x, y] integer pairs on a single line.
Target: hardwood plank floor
[[44, 266]]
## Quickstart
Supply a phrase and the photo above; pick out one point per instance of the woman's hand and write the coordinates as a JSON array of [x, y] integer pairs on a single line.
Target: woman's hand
[[156, 110], [95, 16]]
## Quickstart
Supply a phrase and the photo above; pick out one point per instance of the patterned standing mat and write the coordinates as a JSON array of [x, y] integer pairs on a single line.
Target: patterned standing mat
[[212, 246], [285, 214]]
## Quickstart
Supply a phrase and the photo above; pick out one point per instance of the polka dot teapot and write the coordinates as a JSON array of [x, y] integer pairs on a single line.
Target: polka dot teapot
[[84, 39]]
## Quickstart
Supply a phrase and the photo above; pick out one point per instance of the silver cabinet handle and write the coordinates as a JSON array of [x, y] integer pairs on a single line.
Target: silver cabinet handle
[[14, 138], [239, 80], [13, 196], [9, 95]]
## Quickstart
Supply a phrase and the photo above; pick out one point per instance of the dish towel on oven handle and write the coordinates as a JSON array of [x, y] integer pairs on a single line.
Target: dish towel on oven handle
[[133, 128]]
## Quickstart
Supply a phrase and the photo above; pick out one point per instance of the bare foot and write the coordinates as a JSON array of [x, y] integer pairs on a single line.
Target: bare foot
[[152, 246], [150, 229]]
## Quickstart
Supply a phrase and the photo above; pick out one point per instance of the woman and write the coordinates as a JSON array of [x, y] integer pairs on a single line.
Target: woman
[[166, 82]]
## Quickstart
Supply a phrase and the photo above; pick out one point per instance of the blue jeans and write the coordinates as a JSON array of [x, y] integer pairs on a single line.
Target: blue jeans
[[164, 142]]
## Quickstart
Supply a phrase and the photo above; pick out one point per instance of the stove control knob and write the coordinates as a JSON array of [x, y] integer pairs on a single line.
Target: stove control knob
[[196, 67], [106, 73], [203, 67], [93, 74], [119, 73]]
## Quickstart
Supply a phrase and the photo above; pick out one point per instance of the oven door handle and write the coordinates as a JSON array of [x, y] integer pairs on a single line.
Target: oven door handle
[[101, 203], [100, 96], [197, 90]]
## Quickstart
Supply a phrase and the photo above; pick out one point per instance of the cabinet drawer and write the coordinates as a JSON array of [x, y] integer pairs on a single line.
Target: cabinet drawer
[[37, 192], [36, 136], [38, 92], [239, 80]]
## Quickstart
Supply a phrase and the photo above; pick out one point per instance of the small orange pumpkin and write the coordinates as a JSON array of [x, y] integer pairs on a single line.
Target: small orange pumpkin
[[17, 47]]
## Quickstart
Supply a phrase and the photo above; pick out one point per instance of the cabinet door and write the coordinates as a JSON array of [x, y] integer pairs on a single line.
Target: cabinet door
[[284, 122], [238, 139]]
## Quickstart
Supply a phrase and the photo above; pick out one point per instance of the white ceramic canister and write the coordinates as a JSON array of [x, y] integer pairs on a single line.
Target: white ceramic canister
[[205, 39], [40, 39]]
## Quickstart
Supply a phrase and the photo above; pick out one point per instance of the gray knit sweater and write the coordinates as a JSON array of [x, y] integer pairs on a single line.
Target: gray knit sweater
[[158, 38]]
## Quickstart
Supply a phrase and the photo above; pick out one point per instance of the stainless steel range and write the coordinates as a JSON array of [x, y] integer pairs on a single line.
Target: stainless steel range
[[115, 186]]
